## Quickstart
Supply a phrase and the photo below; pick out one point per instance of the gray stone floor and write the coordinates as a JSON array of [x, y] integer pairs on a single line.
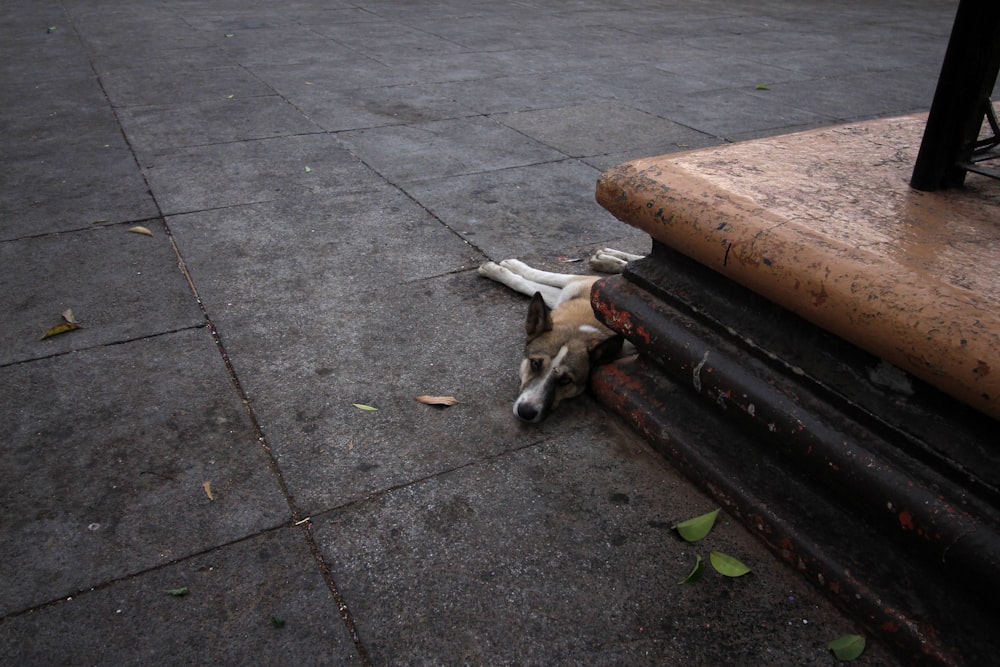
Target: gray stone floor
[[321, 178]]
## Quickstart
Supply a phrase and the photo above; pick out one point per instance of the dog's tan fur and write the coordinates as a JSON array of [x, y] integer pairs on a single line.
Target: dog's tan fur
[[564, 338]]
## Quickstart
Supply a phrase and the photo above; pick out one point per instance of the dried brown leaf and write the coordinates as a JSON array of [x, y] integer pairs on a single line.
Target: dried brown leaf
[[208, 490], [69, 316], [139, 229], [436, 400]]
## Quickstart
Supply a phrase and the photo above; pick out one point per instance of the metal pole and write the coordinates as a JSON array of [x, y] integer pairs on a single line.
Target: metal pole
[[968, 75]]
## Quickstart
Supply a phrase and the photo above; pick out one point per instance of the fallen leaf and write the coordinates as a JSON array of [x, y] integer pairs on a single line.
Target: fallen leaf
[[726, 565], [69, 317], [208, 489], [437, 400], [367, 408], [229, 97], [695, 529], [139, 229], [277, 622], [696, 573], [229, 35], [177, 592], [61, 329], [762, 86], [51, 29], [847, 647], [308, 170]]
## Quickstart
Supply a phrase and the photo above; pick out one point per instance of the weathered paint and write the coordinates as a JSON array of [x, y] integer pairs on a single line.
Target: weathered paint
[[627, 388], [817, 439]]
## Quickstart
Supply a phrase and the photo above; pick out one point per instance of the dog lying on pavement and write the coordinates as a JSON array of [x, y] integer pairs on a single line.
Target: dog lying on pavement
[[565, 340]]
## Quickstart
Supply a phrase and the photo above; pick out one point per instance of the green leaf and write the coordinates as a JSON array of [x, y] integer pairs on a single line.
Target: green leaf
[[695, 529], [696, 573], [847, 647], [367, 408], [726, 565], [177, 592], [762, 86], [277, 622]]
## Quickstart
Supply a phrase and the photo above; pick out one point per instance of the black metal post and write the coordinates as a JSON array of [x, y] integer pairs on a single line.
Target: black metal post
[[967, 78]]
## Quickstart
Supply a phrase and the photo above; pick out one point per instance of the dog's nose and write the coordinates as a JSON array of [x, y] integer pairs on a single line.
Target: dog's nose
[[527, 412]]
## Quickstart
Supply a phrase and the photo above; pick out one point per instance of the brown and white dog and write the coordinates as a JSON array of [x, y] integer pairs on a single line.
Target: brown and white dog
[[565, 340]]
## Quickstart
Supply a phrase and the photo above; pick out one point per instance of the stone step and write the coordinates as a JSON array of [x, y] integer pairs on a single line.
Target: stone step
[[817, 345]]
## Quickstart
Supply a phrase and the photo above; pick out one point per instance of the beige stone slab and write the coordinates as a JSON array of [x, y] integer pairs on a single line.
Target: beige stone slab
[[824, 223]]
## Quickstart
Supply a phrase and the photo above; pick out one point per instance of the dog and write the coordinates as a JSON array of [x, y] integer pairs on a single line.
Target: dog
[[564, 338]]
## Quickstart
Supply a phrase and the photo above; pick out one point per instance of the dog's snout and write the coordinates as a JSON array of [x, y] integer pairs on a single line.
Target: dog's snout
[[527, 412]]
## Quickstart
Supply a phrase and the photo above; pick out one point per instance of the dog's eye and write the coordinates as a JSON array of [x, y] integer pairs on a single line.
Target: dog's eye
[[536, 365], [565, 379]]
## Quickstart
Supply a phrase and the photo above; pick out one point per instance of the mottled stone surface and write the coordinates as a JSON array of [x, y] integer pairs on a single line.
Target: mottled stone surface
[[824, 223]]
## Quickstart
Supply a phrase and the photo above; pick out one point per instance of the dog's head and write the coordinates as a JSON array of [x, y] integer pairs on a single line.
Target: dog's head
[[557, 360]]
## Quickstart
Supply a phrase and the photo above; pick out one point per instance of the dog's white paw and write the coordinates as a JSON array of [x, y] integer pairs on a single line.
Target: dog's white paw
[[609, 260], [498, 272], [489, 269], [515, 266], [607, 263]]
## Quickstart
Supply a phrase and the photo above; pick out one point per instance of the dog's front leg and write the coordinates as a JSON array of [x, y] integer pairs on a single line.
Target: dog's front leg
[[519, 284]]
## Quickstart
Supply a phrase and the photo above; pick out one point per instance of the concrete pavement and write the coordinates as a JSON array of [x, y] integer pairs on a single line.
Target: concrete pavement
[[321, 180]]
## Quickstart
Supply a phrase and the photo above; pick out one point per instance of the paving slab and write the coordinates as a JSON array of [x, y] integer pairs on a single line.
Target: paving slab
[[844, 98], [293, 45], [306, 368], [219, 175], [338, 110], [732, 113], [38, 47], [161, 86], [256, 601], [63, 187], [569, 579], [304, 361], [221, 20], [127, 30], [75, 116], [728, 70], [593, 129], [317, 252], [472, 65], [228, 118], [388, 41], [545, 90], [109, 451], [445, 148], [348, 73], [511, 212], [121, 286]]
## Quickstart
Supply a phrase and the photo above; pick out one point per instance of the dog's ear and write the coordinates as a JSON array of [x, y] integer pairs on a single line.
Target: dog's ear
[[539, 317], [607, 350]]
